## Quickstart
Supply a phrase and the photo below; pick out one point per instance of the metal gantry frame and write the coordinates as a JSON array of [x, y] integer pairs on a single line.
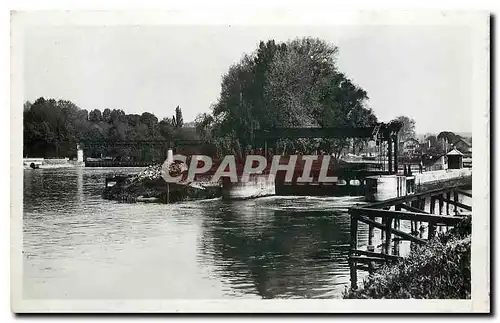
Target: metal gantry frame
[[380, 132]]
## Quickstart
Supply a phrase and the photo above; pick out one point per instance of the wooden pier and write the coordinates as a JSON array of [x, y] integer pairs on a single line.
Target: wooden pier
[[412, 218]]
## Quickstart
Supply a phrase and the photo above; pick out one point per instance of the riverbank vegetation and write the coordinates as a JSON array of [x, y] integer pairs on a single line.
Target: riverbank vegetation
[[438, 270], [53, 128]]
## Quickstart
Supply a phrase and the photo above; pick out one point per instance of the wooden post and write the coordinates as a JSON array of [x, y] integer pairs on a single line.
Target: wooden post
[[433, 205], [441, 204], [370, 232], [448, 197], [388, 234], [389, 155], [422, 204], [432, 226], [415, 223], [397, 227], [371, 267], [382, 233], [354, 246], [418, 224], [455, 198], [396, 153]]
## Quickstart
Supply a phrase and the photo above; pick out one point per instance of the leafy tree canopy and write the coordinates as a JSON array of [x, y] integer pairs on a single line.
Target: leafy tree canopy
[[52, 128], [408, 129], [290, 84]]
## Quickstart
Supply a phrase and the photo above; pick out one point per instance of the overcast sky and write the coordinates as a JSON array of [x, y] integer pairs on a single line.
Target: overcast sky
[[423, 72]]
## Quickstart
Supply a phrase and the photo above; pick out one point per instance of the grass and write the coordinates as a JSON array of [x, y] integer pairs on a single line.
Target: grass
[[438, 270]]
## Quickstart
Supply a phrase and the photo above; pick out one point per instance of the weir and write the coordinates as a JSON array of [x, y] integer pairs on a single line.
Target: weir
[[377, 178], [350, 175]]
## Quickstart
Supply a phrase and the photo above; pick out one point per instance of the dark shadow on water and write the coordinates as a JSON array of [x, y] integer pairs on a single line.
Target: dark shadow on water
[[279, 253]]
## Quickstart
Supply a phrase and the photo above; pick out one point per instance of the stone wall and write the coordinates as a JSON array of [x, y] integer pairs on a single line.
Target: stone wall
[[441, 175], [379, 188], [257, 186]]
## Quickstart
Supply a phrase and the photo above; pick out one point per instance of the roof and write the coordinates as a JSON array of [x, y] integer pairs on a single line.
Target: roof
[[454, 152], [464, 141], [412, 139]]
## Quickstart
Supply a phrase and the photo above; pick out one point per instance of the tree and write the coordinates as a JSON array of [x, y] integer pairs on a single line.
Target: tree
[[53, 128], [203, 124], [177, 120], [449, 136], [408, 129], [106, 115], [447, 139], [95, 116], [148, 119], [27, 105], [166, 128], [292, 84]]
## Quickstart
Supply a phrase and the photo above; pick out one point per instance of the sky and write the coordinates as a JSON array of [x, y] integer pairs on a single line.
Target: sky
[[423, 72]]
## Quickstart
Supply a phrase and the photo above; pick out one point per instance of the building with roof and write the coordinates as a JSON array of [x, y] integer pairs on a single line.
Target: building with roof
[[410, 146], [463, 145], [455, 159]]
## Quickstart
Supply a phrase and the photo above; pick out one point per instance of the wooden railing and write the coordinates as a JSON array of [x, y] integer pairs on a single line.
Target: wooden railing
[[386, 217]]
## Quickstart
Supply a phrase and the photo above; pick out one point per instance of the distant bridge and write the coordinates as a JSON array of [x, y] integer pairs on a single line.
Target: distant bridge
[[141, 143]]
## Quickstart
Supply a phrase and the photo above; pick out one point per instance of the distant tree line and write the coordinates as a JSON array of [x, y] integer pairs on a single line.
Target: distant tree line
[[52, 128]]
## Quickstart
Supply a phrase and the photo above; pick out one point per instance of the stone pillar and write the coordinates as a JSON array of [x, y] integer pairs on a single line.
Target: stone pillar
[[170, 156], [79, 154]]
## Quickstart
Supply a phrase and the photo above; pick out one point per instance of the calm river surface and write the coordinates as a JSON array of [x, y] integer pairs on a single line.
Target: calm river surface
[[77, 245]]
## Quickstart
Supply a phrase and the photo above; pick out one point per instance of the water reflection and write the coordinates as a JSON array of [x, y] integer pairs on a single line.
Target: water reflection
[[77, 245], [282, 253]]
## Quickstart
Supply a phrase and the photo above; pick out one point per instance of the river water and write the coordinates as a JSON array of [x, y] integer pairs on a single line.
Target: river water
[[77, 245]]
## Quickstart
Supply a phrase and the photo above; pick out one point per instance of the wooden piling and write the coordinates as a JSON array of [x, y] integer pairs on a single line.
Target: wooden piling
[[432, 226], [421, 206], [441, 204], [397, 226], [354, 246], [448, 198], [370, 231], [388, 235]]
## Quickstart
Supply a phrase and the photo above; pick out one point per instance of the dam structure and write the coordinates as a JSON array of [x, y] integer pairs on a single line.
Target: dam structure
[[377, 178]]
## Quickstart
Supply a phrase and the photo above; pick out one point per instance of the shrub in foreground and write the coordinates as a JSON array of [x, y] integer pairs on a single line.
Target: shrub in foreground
[[438, 270]]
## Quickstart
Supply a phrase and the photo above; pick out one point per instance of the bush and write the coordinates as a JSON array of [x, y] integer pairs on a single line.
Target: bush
[[438, 270]]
